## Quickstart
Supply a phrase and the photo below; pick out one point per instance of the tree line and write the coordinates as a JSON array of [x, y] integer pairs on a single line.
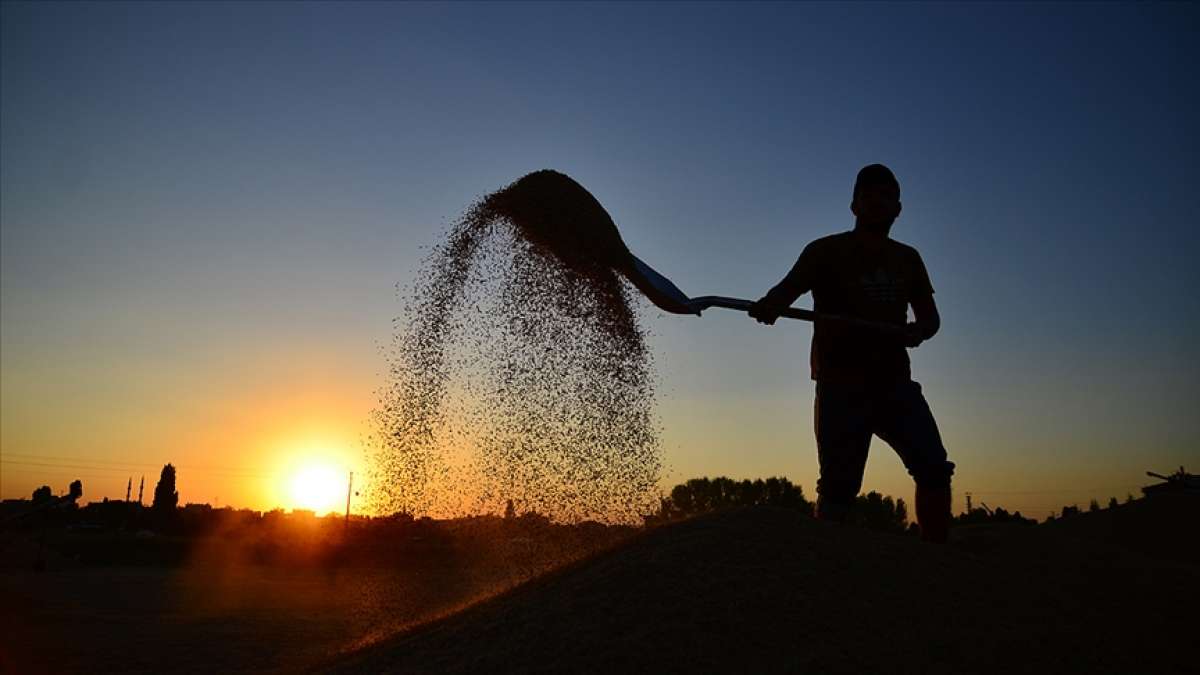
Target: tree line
[[690, 498], [702, 495], [871, 510]]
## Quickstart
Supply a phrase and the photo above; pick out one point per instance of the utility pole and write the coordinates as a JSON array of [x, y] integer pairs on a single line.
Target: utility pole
[[349, 487], [140, 486], [128, 487], [968, 502]]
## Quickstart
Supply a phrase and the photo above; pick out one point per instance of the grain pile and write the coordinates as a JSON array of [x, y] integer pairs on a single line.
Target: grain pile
[[519, 371], [764, 590]]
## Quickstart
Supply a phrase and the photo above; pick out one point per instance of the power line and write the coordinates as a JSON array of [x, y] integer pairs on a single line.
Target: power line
[[126, 470], [42, 472], [91, 460], [97, 460], [67, 466], [121, 466], [87, 473]]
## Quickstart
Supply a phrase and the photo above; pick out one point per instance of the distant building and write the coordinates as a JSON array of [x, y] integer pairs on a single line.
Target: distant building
[[110, 513], [1180, 482], [13, 507]]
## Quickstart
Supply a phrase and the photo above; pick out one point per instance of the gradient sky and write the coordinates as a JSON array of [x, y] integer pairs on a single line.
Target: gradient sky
[[205, 210]]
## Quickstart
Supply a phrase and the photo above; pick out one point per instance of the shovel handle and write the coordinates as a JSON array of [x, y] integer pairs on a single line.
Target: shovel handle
[[704, 302]]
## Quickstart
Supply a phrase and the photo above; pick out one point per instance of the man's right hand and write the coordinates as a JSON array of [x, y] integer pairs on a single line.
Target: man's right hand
[[764, 312]]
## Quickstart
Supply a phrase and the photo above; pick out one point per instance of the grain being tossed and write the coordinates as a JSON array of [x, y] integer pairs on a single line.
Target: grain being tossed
[[520, 372]]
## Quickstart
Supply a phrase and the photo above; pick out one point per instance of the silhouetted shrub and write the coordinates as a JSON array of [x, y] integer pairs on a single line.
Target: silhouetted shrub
[[701, 495], [878, 512]]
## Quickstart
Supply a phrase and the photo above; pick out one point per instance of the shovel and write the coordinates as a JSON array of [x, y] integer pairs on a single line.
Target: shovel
[[667, 297]]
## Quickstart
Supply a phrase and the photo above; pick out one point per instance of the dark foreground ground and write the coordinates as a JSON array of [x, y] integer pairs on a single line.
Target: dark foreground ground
[[754, 590], [764, 591], [245, 601]]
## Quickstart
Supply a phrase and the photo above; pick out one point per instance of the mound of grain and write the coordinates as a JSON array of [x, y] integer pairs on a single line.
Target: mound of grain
[[763, 590]]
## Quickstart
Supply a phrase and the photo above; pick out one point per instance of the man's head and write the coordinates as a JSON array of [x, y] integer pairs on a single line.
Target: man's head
[[876, 198]]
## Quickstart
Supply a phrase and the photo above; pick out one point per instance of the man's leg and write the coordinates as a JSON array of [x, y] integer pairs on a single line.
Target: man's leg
[[842, 422], [904, 421]]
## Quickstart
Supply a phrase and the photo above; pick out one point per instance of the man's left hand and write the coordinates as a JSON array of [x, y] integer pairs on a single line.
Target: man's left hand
[[764, 312]]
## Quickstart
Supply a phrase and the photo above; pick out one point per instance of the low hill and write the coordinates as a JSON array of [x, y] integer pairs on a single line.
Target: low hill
[[766, 590]]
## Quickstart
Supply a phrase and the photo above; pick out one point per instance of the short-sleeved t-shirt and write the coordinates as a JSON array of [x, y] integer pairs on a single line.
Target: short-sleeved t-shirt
[[848, 278]]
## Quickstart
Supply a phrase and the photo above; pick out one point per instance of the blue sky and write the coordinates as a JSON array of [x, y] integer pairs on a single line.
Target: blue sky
[[204, 205]]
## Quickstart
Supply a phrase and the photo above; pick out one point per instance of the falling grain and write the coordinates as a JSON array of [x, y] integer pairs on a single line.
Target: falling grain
[[519, 371]]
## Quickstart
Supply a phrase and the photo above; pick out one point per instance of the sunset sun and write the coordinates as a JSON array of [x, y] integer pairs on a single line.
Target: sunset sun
[[317, 487]]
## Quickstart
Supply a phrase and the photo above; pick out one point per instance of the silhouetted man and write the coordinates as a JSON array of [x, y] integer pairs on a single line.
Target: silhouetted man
[[864, 383]]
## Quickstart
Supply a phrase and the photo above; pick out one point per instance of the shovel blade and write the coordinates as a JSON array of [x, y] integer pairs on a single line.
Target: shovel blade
[[657, 288]]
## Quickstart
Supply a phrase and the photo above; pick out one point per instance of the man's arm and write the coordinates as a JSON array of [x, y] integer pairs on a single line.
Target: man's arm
[[927, 320], [797, 282], [924, 308]]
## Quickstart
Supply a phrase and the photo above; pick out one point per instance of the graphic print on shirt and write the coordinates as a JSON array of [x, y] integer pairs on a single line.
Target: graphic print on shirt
[[882, 289]]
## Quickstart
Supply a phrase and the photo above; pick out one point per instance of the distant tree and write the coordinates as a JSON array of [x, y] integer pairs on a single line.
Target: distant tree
[[401, 517], [1093, 506], [701, 495], [1072, 510], [42, 494], [1128, 498], [510, 511], [1112, 502], [166, 498], [877, 512], [75, 491]]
